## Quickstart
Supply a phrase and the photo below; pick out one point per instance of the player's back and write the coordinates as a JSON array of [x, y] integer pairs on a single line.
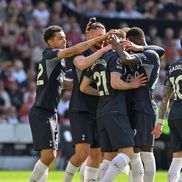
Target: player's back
[[142, 98], [175, 81], [110, 101]]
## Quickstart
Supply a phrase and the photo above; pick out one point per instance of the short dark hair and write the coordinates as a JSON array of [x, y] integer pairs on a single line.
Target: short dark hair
[[50, 30], [94, 24], [135, 32]]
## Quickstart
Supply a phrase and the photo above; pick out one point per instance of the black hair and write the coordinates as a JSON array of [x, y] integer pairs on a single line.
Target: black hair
[[135, 32], [181, 41], [93, 24], [50, 30]]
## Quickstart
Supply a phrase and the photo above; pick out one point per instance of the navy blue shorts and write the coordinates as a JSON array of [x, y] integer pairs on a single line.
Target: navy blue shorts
[[176, 135], [143, 124], [84, 128], [44, 128], [115, 132]]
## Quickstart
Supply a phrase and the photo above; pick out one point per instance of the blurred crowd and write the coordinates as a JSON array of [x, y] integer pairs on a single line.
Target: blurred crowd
[[151, 9], [21, 27]]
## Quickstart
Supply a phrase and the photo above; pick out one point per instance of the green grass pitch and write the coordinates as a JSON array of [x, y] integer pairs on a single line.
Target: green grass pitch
[[23, 176]]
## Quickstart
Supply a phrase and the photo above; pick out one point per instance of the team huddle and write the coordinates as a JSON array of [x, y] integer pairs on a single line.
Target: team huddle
[[112, 112]]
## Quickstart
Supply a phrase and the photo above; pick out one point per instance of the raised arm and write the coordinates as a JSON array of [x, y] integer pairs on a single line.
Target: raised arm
[[124, 56], [83, 46], [130, 46], [82, 62]]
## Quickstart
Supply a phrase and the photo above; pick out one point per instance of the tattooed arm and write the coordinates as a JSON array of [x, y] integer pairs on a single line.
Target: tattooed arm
[[124, 56], [83, 46], [164, 105], [82, 62], [165, 101]]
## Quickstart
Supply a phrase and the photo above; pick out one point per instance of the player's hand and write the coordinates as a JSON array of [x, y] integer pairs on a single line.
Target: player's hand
[[106, 36], [112, 31], [139, 81], [130, 46], [157, 130]]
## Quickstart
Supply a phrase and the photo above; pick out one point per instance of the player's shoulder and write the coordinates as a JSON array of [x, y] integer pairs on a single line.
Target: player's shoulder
[[178, 62], [151, 53], [176, 66]]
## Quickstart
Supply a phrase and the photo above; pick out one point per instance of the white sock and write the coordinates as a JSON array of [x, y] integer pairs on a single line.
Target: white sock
[[116, 166], [103, 169], [130, 176], [69, 172], [82, 170], [149, 166], [44, 177], [126, 170], [38, 171], [137, 168], [99, 171], [90, 174], [174, 170], [180, 179]]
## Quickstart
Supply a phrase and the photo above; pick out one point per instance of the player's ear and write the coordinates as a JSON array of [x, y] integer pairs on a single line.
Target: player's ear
[[50, 42]]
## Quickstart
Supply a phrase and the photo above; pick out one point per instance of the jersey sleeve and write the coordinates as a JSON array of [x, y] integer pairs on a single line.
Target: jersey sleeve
[[51, 53], [159, 50], [115, 65], [88, 73], [148, 57]]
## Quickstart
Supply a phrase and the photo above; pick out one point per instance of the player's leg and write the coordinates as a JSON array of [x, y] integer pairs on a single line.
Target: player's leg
[[108, 157], [106, 146], [81, 153], [41, 168], [95, 155], [92, 167], [45, 141], [145, 141], [82, 170], [81, 139], [119, 126], [137, 172], [176, 146], [118, 163], [148, 160], [180, 179], [175, 167]]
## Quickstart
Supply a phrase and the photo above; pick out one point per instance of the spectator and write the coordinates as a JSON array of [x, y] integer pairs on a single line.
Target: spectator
[[25, 108], [14, 93], [5, 101], [130, 12], [74, 35], [11, 114], [41, 14], [19, 74]]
